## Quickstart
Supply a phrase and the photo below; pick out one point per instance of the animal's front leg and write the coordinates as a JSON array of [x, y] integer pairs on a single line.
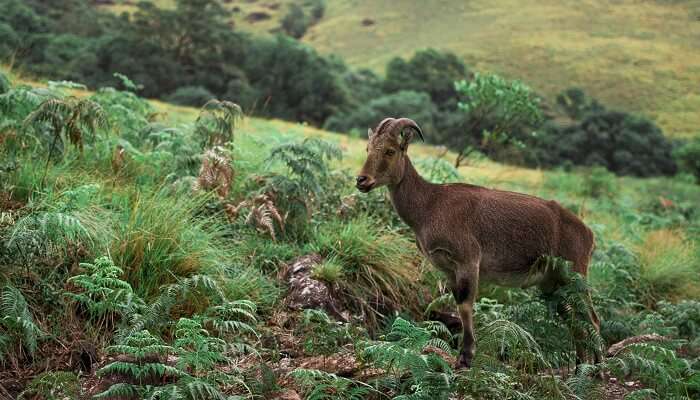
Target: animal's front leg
[[464, 292]]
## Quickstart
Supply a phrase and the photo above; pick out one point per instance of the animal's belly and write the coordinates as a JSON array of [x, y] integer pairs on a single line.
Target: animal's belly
[[511, 279], [511, 271]]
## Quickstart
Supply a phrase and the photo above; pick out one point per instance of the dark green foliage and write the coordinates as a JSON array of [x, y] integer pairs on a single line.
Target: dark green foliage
[[409, 104], [688, 157], [295, 22], [4, 84], [319, 385], [146, 354], [410, 372], [428, 71], [621, 142], [323, 335], [577, 104], [299, 191], [195, 96], [294, 82]]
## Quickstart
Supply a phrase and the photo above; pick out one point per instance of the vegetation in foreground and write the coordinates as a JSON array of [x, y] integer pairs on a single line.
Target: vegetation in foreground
[[144, 256]]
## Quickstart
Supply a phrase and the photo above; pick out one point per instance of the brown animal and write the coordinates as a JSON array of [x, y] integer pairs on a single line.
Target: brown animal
[[472, 233]]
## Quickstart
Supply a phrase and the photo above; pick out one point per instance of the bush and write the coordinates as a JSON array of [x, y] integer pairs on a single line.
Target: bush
[[195, 96], [623, 143], [430, 71], [688, 157], [409, 104], [295, 22]]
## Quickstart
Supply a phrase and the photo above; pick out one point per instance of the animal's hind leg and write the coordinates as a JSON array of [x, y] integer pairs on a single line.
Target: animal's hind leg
[[557, 278], [464, 291]]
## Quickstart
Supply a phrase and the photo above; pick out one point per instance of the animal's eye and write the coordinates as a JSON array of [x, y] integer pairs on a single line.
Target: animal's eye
[[389, 152]]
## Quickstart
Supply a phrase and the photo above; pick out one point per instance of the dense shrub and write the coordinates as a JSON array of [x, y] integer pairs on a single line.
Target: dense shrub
[[430, 71], [688, 157], [414, 105], [294, 81], [194, 96], [620, 142], [295, 22]]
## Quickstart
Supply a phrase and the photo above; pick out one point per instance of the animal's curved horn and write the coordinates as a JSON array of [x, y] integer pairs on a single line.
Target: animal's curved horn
[[402, 123], [382, 125]]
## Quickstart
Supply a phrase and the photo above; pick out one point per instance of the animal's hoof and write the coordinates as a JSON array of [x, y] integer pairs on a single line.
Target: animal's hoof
[[463, 361]]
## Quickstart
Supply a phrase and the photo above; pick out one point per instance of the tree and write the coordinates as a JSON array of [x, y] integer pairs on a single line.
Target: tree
[[294, 81], [429, 71], [295, 22], [414, 105], [496, 109], [621, 142]]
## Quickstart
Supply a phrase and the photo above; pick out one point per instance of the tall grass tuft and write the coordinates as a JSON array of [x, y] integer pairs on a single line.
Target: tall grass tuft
[[161, 239], [378, 265], [668, 267]]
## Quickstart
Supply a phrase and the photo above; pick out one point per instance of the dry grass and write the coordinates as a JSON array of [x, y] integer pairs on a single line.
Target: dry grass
[[668, 264]]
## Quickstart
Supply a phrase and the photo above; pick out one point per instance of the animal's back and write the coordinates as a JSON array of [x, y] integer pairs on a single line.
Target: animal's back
[[514, 230]]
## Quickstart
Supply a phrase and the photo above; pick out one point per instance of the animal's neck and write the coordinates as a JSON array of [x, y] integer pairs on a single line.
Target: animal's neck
[[411, 196]]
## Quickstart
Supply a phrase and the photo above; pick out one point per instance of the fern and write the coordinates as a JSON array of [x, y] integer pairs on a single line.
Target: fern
[[18, 331], [198, 351], [145, 366], [103, 293], [156, 315], [322, 335], [508, 340], [307, 163], [410, 372], [57, 385], [217, 122], [319, 385]]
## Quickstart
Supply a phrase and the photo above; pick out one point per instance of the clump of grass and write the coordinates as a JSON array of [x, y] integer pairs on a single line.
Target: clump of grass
[[378, 266], [160, 239], [668, 267], [329, 270]]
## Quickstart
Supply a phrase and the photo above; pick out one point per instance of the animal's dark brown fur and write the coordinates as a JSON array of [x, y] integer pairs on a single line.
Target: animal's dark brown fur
[[470, 232]]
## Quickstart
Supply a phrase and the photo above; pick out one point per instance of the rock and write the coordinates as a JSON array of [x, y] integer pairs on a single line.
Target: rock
[[306, 292]]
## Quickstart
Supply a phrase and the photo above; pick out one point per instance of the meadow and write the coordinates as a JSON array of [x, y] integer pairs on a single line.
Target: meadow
[[147, 249]]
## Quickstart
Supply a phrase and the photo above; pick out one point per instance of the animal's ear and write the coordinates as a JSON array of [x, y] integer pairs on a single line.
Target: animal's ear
[[369, 132]]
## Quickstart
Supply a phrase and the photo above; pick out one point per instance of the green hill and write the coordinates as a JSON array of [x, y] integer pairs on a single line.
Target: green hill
[[639, 56]]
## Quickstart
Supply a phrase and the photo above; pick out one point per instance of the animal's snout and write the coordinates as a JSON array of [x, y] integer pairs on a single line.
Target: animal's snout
[[364, 183]]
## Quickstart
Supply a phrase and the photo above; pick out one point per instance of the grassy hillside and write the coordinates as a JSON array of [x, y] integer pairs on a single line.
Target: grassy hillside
[[636, 55], [126, 244], [641, 56]]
